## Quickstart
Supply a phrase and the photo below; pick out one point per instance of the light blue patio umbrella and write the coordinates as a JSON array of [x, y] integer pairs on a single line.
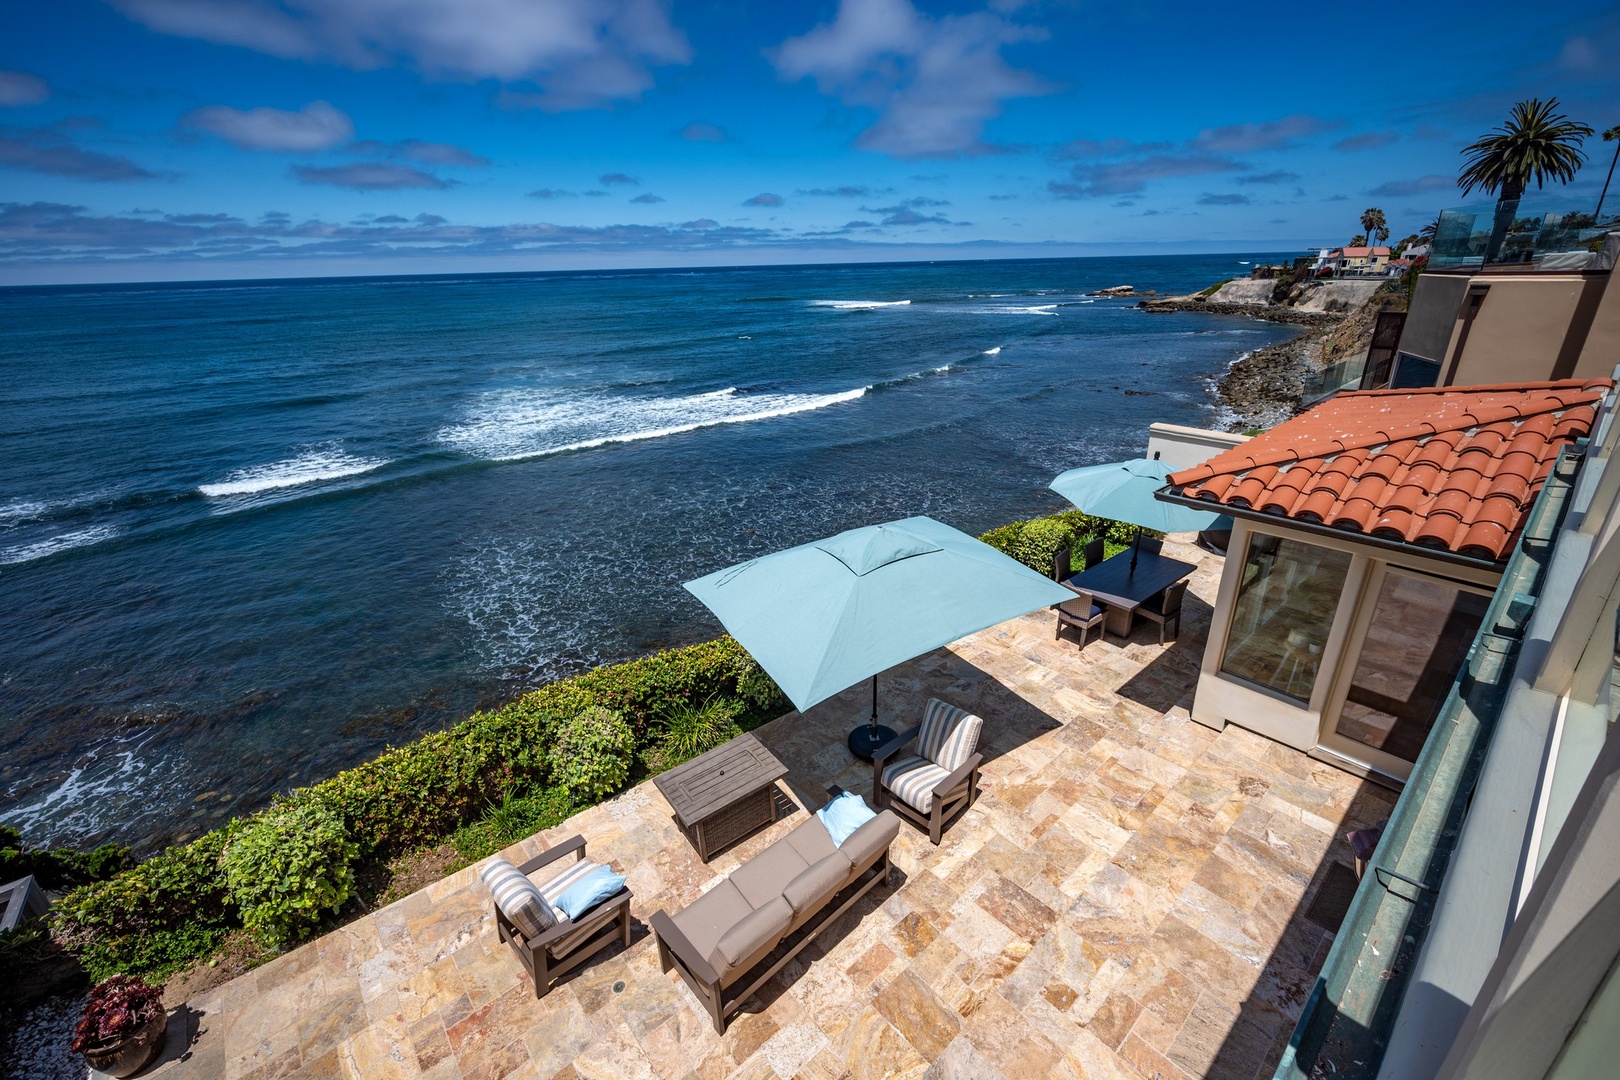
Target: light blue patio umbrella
[[824, 616], [1123, 491]]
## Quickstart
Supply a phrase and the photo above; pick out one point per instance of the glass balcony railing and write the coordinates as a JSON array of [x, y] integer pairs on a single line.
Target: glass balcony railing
[[1543, 233]]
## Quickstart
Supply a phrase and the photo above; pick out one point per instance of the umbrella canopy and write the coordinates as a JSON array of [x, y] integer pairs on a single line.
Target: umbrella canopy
[[822, 617], [1123, 491]]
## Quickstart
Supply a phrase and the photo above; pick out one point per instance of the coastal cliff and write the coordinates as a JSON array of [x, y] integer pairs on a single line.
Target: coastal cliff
[[1267, 386]]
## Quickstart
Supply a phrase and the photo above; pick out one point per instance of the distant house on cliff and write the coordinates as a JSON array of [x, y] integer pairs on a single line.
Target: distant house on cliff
[[1364, 260]]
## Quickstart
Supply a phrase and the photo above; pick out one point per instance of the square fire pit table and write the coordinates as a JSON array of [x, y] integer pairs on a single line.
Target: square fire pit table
[[725, 794]]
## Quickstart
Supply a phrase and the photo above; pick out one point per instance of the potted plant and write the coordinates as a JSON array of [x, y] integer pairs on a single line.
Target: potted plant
[[123, 1026]]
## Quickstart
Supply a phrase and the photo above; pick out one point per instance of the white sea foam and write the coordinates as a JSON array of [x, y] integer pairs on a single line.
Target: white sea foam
[[314, 464], [22, 553], [1034, 309], [858, 305], [106, 776], [16, 513], [993, 352], [523, 424]]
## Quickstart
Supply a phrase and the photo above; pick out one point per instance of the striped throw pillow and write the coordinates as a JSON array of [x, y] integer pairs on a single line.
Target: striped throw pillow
[[949, 735], [518, 898]]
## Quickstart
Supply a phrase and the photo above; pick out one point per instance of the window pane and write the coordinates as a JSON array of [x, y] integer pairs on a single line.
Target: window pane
[[1285, 607], [1416, 643]]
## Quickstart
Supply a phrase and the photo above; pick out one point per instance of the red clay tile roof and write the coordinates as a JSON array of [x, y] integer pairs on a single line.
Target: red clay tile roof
[[1364, 252], [1455, 468]]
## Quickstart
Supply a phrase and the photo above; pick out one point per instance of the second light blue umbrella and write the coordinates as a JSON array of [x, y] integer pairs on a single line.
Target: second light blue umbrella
[[1123, 491], [824, 616]]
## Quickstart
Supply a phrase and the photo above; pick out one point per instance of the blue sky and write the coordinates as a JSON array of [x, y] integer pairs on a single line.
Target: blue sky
[[146, 139]]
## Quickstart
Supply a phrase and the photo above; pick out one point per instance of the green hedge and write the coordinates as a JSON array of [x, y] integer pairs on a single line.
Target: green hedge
[[177, 906], [1035, 542]]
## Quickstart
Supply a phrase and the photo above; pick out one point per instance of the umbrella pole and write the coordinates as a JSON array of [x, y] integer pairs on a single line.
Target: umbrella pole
[[864, 741], [1136, 548]]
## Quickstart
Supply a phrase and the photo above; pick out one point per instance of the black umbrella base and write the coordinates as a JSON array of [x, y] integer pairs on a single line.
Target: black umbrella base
[[865, 740]]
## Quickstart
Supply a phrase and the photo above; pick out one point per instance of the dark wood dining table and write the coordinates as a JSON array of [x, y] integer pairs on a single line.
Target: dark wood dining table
[[1112, 582]]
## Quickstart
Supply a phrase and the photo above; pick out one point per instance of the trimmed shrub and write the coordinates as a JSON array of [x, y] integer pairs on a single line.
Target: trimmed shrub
[[56, 867], [154, 918], [1035, 542], [593, 754], [286, 868]]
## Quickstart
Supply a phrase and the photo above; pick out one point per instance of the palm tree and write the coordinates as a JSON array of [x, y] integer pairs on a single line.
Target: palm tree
[[1358, 240], [1374, 225], [1429, 231], [1612, 135], [1536, 144]]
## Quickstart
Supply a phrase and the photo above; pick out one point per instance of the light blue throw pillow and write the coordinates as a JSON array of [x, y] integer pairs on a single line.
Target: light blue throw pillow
[[844, 815], [588, 891]]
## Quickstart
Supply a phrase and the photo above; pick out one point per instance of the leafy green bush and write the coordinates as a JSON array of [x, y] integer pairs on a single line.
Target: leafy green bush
[[691, 730], [1034, 542], [287, 867], [510, 820], [154, 918], [594, 749], [56, 867]]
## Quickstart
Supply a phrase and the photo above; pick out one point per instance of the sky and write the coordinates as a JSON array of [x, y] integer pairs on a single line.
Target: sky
[[207, 139]]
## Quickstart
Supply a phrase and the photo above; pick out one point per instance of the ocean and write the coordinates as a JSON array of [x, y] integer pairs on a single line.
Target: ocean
[[252, 533]]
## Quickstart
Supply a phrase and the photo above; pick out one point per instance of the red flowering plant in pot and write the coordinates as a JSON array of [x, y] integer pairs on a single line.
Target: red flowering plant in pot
[[123, 1026]]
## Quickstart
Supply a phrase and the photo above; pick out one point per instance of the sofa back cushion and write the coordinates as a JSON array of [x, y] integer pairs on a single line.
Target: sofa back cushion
[[518, 898], [949, 735], [761, 878], [816, 882], [758, 930]]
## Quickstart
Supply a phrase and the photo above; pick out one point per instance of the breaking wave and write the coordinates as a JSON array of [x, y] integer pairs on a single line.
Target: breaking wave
[[39, 549], [524, 423], [858, 305], [314, 464]]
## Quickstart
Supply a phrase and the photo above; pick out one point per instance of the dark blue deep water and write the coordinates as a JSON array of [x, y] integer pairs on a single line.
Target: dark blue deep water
[[253, 533]]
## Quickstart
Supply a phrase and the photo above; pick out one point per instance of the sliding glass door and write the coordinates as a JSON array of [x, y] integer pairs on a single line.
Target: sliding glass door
[[1405, 649]]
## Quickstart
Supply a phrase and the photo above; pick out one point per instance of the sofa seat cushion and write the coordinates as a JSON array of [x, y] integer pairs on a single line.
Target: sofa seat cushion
[[912, 779], [761, 878], [711, 915], [810, 840], [757, 932], [818, 881], [871, 840]]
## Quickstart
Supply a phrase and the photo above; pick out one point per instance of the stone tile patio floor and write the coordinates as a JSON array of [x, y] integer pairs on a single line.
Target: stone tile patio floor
[[1125, 899]]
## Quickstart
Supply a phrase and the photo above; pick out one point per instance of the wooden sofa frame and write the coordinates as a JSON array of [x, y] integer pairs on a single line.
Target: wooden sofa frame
[[611, 919], [677, 951]]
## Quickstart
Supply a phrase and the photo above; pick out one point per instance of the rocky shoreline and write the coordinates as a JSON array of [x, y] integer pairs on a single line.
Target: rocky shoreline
[[1267, 386], [1270, 312]]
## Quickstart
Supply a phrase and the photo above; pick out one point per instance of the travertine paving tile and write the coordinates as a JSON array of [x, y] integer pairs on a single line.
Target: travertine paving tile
[[1125, 899]]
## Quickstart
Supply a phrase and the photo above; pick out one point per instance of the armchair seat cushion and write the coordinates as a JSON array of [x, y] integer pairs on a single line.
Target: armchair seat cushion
[[553, 890], [912, 778]]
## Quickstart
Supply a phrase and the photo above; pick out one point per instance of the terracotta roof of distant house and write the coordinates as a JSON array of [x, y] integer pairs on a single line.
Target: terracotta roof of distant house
[[1454, 468], [1364, 252]]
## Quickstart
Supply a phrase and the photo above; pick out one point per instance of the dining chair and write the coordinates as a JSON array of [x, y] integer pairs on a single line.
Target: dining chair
[[1094, 552], [1061, 567], [1084, 612], [1165, 608]]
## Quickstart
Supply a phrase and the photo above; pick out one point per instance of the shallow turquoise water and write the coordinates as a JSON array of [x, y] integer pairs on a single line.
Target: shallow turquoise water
[[252, 533]]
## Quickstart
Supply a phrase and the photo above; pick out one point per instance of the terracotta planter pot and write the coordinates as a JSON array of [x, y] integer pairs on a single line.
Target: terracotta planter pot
[[129, 1057]]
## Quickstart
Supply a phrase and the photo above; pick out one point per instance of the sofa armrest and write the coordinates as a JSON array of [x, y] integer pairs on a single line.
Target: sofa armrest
[[950, 783], [552, 854], [863, 846], [670, 936], [892, 747]]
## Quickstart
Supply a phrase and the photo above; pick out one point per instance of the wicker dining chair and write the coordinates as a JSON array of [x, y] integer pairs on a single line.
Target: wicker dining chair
[[1165, 608], [1094, 552], [1083, 612]]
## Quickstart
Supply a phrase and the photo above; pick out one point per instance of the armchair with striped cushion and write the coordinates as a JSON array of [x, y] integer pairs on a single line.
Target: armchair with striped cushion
[[549, 943], [938, 781]]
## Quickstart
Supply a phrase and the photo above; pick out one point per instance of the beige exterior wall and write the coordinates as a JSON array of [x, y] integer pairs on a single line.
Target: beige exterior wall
[[1517, 332], [1183, 447], [1602, 351], [1223, 699]]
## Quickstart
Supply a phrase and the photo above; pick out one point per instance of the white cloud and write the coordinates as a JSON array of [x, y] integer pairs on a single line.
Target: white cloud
[[314, 127], [577, 53], [935, 83], [21, 88]]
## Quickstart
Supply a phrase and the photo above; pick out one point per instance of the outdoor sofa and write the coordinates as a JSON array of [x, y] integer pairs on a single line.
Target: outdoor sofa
[[549, 952], [784, 896]]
